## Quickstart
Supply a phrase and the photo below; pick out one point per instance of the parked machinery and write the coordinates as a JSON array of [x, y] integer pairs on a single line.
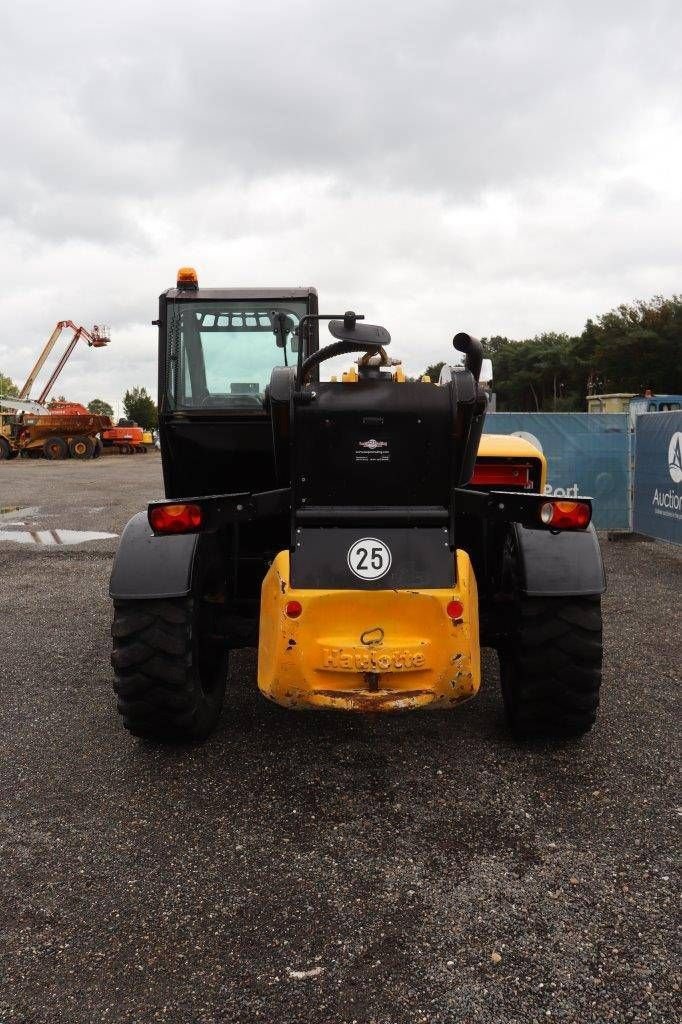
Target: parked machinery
[[126, 438], [65, 429], [368, 544]]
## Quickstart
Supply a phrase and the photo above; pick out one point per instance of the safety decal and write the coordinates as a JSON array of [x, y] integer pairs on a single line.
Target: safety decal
[[372, 450], [369, 558]]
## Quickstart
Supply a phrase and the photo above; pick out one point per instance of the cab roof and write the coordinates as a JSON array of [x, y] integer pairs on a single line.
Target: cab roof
[[238, 294]]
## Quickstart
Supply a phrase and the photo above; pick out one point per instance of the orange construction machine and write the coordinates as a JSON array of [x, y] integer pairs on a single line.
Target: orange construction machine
[[126, 438], [67, 428]]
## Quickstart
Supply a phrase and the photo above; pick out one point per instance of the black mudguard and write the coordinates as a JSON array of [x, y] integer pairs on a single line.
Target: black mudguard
[[146, 566], [559, 564]]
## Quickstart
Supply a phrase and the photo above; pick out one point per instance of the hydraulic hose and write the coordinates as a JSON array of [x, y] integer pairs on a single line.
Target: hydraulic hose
[[337, 348]]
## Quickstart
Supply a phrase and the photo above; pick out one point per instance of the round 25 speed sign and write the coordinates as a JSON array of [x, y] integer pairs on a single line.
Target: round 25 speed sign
[[369, 558]]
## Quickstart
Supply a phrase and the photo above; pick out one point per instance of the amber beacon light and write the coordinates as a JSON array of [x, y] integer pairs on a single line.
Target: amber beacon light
[[187, 278]]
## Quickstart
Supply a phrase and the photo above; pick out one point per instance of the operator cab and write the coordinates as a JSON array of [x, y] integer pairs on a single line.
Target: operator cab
[[217, 350]]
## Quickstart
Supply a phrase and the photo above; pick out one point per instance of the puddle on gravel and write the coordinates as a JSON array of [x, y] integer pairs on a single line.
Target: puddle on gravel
[[8, 513], [52, 538]]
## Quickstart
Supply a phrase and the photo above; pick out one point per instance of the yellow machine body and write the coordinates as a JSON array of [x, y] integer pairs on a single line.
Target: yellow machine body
[[515, 449], [368, 650]]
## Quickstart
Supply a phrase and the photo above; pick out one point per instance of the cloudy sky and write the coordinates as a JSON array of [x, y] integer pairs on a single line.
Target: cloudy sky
[[499, 167]]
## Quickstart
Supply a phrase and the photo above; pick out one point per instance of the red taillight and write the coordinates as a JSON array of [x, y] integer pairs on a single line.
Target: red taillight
[[566, 515], [455, 609], [502, 474], [175, 518], [293, 609]]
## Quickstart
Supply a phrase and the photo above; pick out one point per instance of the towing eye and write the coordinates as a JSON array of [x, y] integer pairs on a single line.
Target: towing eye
[[364, 637]]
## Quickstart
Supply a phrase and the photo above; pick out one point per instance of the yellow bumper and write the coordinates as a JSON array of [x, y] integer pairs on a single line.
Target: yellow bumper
[[368, 650]]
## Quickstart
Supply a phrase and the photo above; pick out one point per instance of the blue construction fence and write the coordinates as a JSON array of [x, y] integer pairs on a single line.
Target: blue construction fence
[[588, 454], [657, 492]]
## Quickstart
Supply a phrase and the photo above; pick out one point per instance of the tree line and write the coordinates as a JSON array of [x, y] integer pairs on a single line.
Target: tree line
[[632, 348], [138, 406]]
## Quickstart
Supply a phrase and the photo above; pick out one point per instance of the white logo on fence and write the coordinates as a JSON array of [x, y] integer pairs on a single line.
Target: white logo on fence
[[562, 492], [675, 457]]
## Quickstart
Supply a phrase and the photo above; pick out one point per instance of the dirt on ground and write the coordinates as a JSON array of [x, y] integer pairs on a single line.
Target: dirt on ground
[[320, 867]]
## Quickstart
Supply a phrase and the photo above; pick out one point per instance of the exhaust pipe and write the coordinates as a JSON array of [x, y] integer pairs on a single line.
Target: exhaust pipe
[[473, 350]]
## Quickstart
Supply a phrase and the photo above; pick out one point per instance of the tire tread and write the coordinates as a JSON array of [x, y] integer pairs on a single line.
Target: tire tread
[[156, 681], [551, 667]]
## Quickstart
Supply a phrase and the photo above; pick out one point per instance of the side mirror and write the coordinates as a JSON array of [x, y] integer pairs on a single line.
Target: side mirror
[[360, 334], [282, 326]]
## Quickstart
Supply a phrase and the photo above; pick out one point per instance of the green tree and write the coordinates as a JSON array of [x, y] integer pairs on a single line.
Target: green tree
[[98, 407], [541, 374], [8, 388], [140, 407], [634, 347], [631, 348], [434, 371], [495, 345]]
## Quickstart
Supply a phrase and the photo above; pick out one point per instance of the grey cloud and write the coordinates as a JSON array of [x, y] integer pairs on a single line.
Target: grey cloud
[[500, 167], [447, 96]]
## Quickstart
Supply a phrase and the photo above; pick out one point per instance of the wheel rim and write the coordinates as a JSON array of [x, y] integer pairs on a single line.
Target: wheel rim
[[80, 448]]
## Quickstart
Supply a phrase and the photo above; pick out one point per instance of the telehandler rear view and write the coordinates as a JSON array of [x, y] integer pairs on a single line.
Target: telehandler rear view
[[360, 532]]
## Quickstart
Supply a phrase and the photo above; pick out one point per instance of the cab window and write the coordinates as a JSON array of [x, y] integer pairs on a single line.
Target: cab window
[[220, 355]]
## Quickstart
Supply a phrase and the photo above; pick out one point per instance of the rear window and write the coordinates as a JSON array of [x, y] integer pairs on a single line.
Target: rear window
[[221, 355]]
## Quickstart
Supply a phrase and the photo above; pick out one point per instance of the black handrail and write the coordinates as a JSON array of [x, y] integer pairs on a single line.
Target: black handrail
[[348, 318]]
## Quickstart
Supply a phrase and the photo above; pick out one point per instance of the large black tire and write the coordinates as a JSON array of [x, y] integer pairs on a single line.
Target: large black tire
[[170, 669], [6, 450], [55, 448], [81, 447], [550, 666]]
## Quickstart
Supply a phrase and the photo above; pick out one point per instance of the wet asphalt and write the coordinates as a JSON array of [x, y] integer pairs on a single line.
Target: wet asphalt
[[321, 868]]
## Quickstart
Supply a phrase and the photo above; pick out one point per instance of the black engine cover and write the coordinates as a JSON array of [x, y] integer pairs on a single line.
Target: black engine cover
[[380, 443]]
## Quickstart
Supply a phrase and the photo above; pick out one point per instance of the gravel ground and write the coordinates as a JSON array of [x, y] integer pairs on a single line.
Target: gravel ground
[[322, 868]]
